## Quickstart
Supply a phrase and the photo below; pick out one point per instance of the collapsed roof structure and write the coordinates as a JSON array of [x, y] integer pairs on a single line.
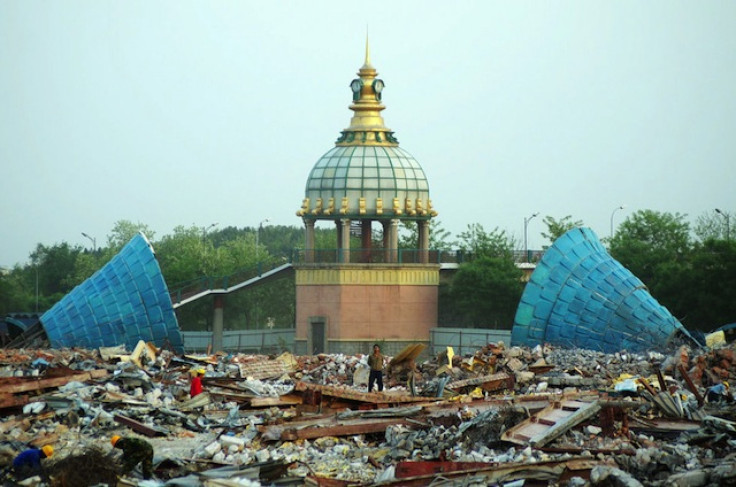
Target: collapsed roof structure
[[122, 303], [580, 296]]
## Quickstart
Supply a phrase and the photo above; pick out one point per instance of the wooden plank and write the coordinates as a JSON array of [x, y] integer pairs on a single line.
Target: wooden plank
[[36, 384], [663, 425], [264, 369], [407, 469], [489, 382], [9, 401], [342, 429], [232, 396], [352, 394], [287, 400], [410, 352], [140, 427], [550, 422], [541, 473], [690, 384]]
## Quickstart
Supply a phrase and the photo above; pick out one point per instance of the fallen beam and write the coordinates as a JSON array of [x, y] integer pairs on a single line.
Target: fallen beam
[[10, 401], [347, 428], [408, 469], [352, 394], [492, 382], [286, 400], [544, 473], [551, 422], [23, 384], [691, 385], [140, 427]]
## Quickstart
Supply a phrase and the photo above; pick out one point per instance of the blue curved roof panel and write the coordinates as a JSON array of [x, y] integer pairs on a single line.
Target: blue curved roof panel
[[580, 296], [124, 302]]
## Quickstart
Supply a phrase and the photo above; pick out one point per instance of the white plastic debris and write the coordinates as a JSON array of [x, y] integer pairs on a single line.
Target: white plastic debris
[[34, 407]]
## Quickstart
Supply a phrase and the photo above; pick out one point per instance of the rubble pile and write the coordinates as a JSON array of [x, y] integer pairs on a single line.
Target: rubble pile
[[542, 415], [74, 469]]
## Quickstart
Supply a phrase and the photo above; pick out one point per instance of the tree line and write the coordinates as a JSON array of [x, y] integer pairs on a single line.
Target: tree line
[[691, 270]]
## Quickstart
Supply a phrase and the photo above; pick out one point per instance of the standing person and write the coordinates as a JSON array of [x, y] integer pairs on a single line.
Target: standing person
[[28, 463], [135, 451], [196, 386], [375, 361]]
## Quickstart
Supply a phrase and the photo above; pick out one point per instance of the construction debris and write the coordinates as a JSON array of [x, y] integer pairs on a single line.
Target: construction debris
[[535, 416]]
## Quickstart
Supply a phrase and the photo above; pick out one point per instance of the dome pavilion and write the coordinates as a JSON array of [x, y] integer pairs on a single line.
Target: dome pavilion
[[346, 302], [367, 177]]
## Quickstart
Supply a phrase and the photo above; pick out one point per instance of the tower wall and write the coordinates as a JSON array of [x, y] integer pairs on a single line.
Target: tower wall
[[346, 308]]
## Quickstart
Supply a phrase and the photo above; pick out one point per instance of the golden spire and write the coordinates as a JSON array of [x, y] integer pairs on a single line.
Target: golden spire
[[366, 125], [367, 63]]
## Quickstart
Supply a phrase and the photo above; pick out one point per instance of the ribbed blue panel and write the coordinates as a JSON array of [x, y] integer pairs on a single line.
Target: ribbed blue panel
[[580, 296], [124, 302]]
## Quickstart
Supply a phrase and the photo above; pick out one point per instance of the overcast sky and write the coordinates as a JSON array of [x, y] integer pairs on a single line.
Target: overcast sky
[[191, 112]]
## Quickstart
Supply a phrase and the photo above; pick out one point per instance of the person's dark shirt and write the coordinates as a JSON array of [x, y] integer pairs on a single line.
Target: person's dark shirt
[[29, 458]]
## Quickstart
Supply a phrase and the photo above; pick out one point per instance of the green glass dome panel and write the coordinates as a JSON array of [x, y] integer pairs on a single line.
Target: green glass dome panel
[[368, 172]]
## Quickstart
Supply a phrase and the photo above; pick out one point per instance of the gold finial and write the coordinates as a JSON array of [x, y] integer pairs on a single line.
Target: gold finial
[[366, 125], [367, 63]]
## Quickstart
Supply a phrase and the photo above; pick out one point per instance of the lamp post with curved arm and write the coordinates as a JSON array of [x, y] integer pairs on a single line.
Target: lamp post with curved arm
[[613, 213], [728, 223], [526, 245], [206, 229], [93, 240], [258, 234]]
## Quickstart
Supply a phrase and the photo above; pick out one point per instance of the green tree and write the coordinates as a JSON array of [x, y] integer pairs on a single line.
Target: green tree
[[557, 228], [648, 239], [480, 243], [17, 290], [56, 271], [486, 291], [124, 230], [439, 238], [184, 255], [701, 292], [714, 225]]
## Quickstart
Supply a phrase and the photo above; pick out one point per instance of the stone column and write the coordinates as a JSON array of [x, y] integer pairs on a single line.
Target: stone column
[[345, 241], [423, 229], [309, 241], [218, 322], [394, 240]]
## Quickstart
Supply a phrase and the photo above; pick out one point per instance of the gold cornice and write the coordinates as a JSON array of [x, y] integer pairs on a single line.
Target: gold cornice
[[368, 276]]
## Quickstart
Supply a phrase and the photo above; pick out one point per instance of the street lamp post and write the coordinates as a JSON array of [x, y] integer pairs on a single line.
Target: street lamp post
[[728, 224], [258, 234], [613, 213], [526, 245], [206, 229], [93, 240]]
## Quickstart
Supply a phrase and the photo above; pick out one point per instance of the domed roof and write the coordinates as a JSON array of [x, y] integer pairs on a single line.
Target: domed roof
[[367, 174]]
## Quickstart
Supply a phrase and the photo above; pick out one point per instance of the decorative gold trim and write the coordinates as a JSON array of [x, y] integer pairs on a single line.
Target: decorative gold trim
[[421, 276]]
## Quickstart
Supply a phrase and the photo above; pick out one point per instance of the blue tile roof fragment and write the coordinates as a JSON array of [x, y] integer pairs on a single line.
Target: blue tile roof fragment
[[124, 302], [580, 296]]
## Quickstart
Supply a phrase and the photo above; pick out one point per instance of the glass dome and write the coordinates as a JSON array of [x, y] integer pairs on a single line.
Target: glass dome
[[369, 172], [366, 175]]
